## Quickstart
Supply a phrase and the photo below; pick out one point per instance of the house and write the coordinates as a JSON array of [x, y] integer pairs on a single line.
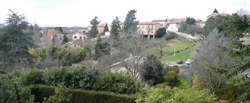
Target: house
[[79, 36], [100, 28], [163, 23], [174, 24], [148, 29]]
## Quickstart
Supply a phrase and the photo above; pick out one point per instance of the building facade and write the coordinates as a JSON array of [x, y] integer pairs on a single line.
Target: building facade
[[148, 29]]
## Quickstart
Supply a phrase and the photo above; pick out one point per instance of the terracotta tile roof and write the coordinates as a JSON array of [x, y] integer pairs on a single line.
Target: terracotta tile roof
[[101, 25], [69, 43], [177, 21], [221, 14], [159, 20], [148, 23]]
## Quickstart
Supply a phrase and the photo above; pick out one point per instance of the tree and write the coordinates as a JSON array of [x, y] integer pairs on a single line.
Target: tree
[[152, 70], [190, 21], [59, 29], [160, 32], [94, 31], [115, 28], [130, 23], [211, 24], [106, 28], [101, 48], [65, 39], [14, 43], [215, 11]]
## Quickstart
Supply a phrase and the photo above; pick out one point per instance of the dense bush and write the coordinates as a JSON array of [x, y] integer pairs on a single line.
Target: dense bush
[[80, 78], [171, 75], [160, 32], [119, 83], [81, 96], [152, 70], [12, 91], [175, 95]]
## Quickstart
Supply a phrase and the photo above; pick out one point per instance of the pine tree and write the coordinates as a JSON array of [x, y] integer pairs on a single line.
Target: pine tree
[[130, 23], [14, 43], [94, 31], [65, 39], [115, 28], [101, 48], [215, 11], [106, 28]]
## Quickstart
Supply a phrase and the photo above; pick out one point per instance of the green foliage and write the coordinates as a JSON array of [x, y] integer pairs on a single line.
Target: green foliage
[[81, 96], [101, 48], [118, 83], [175, 95], [14, 43], [130, 23], [65, 38], [12, 91], [79, 78], [212, 23], [190, 27], [197, 83], [152, 70], [94, 31], [106, 28], [215, 11], [59, 29], [62, 95], [160, 32], [115, 28], [171, 76], [190, 21]]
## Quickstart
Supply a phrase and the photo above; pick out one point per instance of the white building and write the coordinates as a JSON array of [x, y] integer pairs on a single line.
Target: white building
[[174, 24], [79, 36]]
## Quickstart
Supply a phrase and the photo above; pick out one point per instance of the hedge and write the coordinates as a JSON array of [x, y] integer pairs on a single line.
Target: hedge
[[82, 96]]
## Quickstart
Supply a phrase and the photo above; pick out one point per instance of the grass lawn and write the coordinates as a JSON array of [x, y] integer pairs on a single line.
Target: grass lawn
[[178, 44], [184, 55]]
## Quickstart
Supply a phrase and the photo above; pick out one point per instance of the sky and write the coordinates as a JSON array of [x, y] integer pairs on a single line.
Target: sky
[[80, 12]]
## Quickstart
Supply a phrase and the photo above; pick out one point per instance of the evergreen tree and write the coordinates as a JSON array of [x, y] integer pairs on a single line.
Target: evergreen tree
[[94, 31], [190, 21], [101, 48], [160, 32], [59, 29], [215, 11], [14, 43], [65, 39], [106, 28], [130, 23], [115, 28]]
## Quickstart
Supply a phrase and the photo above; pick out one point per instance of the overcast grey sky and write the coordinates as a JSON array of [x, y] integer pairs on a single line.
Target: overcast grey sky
[[80, 12]]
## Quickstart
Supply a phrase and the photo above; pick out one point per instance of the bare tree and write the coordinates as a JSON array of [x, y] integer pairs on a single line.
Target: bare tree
[[210, 54]]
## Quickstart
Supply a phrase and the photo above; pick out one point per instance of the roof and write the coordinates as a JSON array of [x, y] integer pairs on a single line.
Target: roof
[[159, 20], [69, 43], [221, 14], [148, 23], [177, 20], [101, 25]]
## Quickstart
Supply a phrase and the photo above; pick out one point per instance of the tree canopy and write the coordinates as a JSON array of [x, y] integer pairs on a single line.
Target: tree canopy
[[130, 23], [94, 22]]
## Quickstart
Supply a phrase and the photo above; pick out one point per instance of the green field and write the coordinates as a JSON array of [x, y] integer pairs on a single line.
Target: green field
[[178, 44]]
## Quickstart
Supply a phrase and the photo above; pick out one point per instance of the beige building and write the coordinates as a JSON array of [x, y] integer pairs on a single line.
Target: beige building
[[100, 28], [148, 29]]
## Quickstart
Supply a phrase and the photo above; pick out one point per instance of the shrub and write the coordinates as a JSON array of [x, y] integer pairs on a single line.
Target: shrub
[[118, 83], [160, 32], [62, 95], [152, 70], [82, 96], [32, 76], [176, 95]]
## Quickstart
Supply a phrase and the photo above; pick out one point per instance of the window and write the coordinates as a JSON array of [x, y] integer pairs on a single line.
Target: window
[[75, 37]]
